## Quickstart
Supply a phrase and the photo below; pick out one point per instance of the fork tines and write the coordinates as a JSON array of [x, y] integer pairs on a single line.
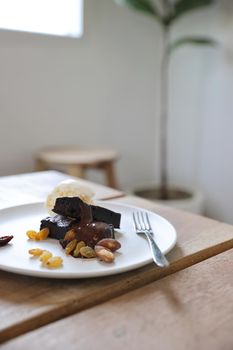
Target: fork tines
[[141, 221]]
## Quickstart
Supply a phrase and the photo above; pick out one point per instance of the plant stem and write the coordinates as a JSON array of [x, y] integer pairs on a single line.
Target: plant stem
[[164, 116]]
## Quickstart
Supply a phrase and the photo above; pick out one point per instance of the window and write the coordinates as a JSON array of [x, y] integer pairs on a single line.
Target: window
[[56, 17]]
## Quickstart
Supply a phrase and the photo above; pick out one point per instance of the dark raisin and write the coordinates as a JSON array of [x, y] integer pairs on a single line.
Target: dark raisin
[[4, 240]]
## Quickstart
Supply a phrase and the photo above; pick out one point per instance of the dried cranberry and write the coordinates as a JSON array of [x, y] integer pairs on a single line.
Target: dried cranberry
[[4, 240]]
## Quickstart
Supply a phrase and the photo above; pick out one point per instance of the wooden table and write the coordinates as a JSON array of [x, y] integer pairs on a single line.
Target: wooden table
[[187, 305]]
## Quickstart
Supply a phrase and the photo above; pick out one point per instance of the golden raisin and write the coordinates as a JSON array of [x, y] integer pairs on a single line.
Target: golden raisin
[[45, 256], [87, 252], [35, 251], [79, 245], [42, 234], [31, 234], [54, 262], [70, 235], [71, 246]]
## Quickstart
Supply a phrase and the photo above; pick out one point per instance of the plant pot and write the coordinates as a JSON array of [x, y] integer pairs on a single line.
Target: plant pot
[[185, 199]]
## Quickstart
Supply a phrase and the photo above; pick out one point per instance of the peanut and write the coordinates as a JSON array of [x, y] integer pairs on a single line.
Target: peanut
[[110, 243], [104, 254]]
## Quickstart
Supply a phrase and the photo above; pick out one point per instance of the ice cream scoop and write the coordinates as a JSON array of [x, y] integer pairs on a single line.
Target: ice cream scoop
[[69, 188]]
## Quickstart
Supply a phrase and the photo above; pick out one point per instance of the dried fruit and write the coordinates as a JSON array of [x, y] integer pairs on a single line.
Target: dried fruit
[[87, 252], [110, 243], [71, 246], [63, 243], [54, 262], [36, 251], [45, 256], [42, 234], [70, 235], [104, 254], [79, 245], [31, 234], [4, 240]]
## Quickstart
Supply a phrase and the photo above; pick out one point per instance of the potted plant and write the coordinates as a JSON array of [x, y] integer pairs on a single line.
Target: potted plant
[[166, 13]]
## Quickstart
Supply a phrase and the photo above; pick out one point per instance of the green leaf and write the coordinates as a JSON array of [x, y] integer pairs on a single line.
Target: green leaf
[[183, 6], [191, 41], [142, 5]]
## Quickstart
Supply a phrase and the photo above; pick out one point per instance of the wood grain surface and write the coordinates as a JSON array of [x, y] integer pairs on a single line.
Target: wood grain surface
[[27, 303], [192, 309]]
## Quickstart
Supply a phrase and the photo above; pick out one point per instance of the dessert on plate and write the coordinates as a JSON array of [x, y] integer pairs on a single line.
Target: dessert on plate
[[82, 228]]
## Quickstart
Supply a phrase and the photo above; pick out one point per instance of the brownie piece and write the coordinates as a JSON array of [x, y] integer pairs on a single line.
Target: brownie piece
[[68, 207], [58, 225], [71, 207], [106, 215]]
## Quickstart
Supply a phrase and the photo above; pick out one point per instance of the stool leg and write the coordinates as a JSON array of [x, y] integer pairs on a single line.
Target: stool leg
[[110, 174], [40, 165], [76, 170]]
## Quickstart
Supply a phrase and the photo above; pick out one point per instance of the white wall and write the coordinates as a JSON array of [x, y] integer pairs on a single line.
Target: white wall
[[216, 160], [98, 90], [103, 89], [202, 103]]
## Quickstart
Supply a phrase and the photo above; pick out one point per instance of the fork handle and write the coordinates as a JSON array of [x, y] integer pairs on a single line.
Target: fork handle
[[158, 256]]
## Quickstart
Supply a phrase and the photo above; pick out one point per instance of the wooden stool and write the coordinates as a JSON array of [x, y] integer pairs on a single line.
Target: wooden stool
[[76, 160]]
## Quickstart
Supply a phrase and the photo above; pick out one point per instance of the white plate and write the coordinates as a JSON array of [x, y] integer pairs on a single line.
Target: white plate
[[135, 251]]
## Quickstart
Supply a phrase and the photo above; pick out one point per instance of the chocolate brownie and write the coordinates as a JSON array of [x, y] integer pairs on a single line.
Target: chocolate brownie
[[71, 207], [58, 225]]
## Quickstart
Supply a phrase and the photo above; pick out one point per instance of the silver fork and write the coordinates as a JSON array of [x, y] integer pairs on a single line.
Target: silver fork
[[142, 226]]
